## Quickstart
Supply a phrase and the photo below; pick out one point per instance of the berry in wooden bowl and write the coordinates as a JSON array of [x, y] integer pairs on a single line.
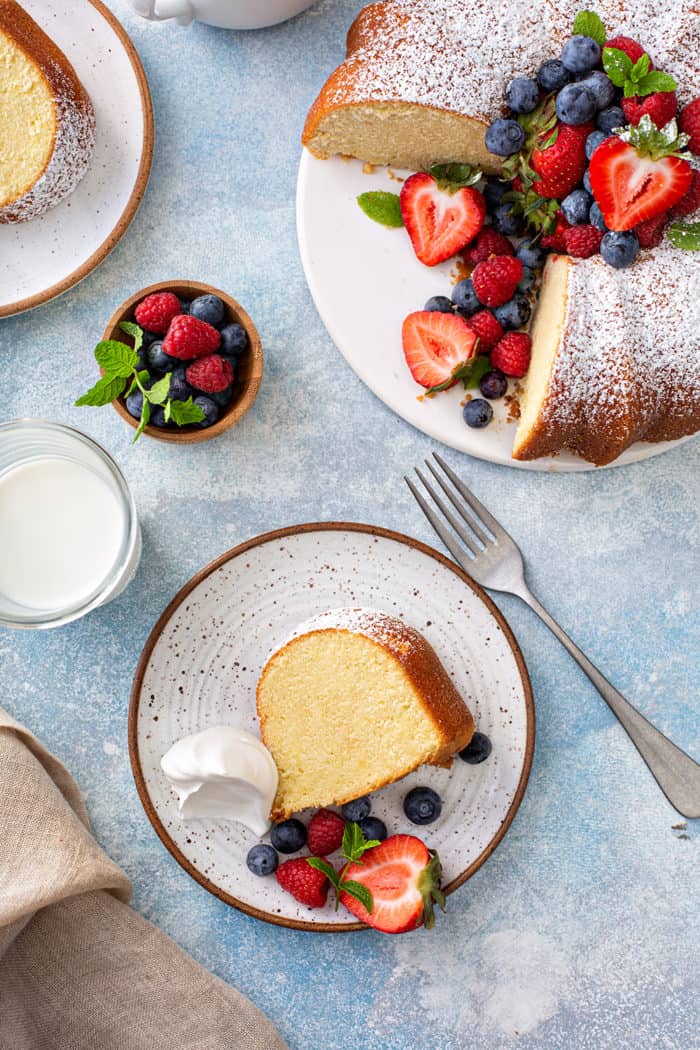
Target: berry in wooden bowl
[[180, 361]]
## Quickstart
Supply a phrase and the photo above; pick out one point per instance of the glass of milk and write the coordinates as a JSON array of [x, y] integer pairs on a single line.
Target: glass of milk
[[69, 533]]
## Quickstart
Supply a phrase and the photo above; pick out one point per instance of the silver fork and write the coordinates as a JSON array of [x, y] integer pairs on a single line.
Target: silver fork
[[492, 558]]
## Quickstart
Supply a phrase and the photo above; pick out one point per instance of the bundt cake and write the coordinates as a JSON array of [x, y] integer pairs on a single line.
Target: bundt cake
[[355, 700], [47, 123]]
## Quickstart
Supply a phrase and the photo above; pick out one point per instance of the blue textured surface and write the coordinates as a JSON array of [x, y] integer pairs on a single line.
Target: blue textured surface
[[582, 931]]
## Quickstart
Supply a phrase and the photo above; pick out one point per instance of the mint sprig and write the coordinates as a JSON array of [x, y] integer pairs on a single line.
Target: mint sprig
[[119, 364], [685, 235], [354, 846], [635, 78], [588, 23], [382, 207]]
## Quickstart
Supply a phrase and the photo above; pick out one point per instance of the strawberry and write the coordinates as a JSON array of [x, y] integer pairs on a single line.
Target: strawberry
[[691, 202], [689, 122], [487, 328], [561, 164], [661, 106], [189, 337], [306, 884], [650, 233], [512, 354], [403, 877], [582, 241], [438, 222], [496, 279], [325, 832], [437, 347], [156, 311], [555, 240], [631, 48], [637, 175], [488, 243]]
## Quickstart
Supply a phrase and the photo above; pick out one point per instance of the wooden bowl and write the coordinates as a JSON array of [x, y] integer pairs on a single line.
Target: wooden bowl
[[247, 375]]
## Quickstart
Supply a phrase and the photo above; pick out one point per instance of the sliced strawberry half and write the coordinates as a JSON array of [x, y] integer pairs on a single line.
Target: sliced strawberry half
[[403, 877], [631, 189], [437, 347], [438, 222]]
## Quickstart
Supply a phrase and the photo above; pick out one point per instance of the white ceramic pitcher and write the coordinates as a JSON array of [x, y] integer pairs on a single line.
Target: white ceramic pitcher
[[228, 14]]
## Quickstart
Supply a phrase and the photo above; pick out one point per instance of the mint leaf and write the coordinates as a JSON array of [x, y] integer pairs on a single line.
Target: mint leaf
[[140, 377], [481, 366], [143, 422], [381, 207], [355, 843], [104, 391], [360, 893], [159, 391], [588, 23], [655, 81], [617, 65], [135, 331], [115, 359], [327, 869], [640, 67], [685, 235], [184, 412]]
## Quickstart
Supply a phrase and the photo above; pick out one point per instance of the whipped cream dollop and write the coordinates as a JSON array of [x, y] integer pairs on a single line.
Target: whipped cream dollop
[[223, 773]]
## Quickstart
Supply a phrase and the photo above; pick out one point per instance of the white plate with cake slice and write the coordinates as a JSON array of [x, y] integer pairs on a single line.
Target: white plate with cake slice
[[365, 279], [201, 666], [44, 255]]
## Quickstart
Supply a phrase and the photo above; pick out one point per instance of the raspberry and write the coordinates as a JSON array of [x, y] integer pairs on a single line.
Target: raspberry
[[661, 107], [555, 240], [496, 279], [325, 832], [512, 354], [189, 337], [210, 374], [632, 49], [691, 202], [307, 885], [487, 328], [650, 233], [156, 311], [488, 243], [582, 241], [689, 122]]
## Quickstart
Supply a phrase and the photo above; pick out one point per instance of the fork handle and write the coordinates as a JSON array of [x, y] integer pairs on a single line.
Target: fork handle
[[676, 773]]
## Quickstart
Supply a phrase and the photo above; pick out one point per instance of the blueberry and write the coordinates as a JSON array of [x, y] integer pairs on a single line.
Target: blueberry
[[357, 810], [505, 137], [530, 255], [579, 54], [619, 249], [149, 337], [595, 217], [422, 805], [553, 75], [609, 119], [493, 384], [157, 418], [505, 220], [157, 360], [210, 410], [586, 180], [180, 389], [493, 191], [464, 297], [289, 836], [134, 404], [373, 828], [593, 141], [223, 398], [522, 95], [477, 413], [208, 308], [601, 87], [575, 104], [513, 314], [234, 341], [141, 360], [439, 304], [477, 750], [527, 280], [262, 860], [576, 206]]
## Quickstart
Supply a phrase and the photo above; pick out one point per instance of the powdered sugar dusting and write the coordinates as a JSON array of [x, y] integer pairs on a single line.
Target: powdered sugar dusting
[[372, 623]]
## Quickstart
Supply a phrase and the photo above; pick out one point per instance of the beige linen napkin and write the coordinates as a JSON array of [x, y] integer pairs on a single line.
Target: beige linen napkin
[[79, 970]]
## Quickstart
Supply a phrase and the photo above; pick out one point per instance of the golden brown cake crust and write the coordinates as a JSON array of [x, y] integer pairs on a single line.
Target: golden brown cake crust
[[75, 118]]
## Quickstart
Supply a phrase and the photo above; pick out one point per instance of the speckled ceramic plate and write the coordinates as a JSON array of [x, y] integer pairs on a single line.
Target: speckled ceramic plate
[[365, 279], [44, 257], [202, 661]]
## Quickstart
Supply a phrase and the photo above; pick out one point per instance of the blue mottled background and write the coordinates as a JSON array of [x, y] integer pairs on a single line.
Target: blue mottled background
[[582, 932]]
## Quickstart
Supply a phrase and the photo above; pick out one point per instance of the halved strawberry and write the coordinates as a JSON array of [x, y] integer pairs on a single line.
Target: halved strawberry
[[403, 877], [636, 176], [438, 222], [437, 346]]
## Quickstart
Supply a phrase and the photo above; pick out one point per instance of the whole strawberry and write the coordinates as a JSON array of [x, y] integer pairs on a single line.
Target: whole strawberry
[[306, 884], [489, 242], [689, 123], [487, 328], [156, 311], [512, 354], [691, 202], [210, 374], [325, 832], [560, 164], [496, 279], [189, 337], [661, 107], [583, 241]]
